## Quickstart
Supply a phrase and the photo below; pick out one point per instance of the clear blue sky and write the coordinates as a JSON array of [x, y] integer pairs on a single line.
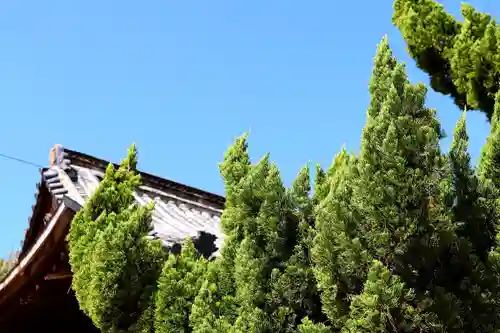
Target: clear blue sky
[[183, 79]]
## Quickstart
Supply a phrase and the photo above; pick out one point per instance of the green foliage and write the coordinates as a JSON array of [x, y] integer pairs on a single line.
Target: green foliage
[[309, 327], [179, 283], [400, 238], [263, 280], [404, 237], [383, 304], [115, 267], [381, 204], [215, 306], [337, 251], [6, 265], [489, 163], [461, 58], [467, 196]]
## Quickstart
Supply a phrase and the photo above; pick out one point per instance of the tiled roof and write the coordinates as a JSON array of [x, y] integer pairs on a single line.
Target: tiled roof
[[180, 211]]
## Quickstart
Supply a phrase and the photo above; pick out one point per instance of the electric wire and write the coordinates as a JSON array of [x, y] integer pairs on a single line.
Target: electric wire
[[20, 160]]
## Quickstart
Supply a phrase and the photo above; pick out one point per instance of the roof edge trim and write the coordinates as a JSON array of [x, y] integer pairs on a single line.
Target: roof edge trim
[[27, 259], [68, 156]]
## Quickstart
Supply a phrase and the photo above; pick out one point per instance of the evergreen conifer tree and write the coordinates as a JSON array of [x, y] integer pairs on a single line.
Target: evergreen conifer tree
[[115, 268], [464, 271], [337, 252], [402, 236], [214, 308], [398, 239], [489, 163], [461, 58], [263, 280], [488, 169], [397, 191], [466, 196], [488, 173], [383, 304], [386, 212], [179, 283], [293, 287], [321, 185]]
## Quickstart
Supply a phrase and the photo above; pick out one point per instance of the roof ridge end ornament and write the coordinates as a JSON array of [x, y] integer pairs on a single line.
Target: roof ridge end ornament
[[58, 157]]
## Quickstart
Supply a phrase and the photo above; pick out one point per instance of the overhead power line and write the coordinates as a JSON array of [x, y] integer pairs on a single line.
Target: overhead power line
[[20, 160]]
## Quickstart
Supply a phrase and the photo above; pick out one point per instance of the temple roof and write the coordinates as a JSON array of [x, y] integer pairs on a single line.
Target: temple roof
[[38, 285], [180, 211]]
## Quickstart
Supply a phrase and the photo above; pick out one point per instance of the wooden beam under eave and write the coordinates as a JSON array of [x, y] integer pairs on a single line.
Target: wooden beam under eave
[[57, 276]]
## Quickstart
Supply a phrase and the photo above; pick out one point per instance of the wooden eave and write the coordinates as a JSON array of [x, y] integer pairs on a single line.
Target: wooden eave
[[29, 265]]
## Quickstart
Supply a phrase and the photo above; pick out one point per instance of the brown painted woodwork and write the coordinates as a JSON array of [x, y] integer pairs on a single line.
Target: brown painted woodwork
[[33, 303]]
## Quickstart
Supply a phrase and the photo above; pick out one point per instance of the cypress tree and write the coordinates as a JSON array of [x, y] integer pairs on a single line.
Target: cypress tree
[[399, 195], [488, 173], [115, 268], [465, 273], [293, 287], [489, 162], [466, 199], [398, 239], [263, 279], [179, 283], [337, 251], [260, 250], [488, 167], [215, 306], [376, 200], [321, 185], [383, 306], [461, 58], [398, 185], [391, 252]]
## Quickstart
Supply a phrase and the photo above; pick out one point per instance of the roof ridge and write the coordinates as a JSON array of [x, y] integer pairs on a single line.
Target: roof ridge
[[86, 160]]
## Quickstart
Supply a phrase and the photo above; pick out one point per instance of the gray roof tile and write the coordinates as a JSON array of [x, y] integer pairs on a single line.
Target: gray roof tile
[[177, 214]]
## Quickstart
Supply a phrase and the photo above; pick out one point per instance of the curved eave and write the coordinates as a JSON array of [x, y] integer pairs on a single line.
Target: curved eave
[[30, 234], [53, 234]]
